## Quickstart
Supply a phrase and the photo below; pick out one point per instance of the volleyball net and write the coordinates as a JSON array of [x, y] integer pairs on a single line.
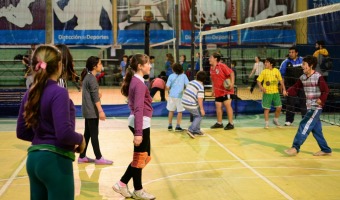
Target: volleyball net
[[272, 37], [159, 50]]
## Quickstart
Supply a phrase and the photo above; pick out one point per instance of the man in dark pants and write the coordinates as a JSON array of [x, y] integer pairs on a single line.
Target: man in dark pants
[[291, 70]]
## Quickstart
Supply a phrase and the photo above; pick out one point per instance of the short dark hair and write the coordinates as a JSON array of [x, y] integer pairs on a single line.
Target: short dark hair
[[201, 76], [271, 61], [311, 60], [294, 48], [152, 57], [320, 42], [177, 68]]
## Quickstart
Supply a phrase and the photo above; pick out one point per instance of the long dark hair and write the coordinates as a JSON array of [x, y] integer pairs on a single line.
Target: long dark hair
[[68, 67], [91, 62], [43, 54], [138, 59]]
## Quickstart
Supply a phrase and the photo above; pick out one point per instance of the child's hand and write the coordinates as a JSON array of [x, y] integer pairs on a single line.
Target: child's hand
[[102, 115], [80, 148], [202, 112], [319, 102], [137, 140]]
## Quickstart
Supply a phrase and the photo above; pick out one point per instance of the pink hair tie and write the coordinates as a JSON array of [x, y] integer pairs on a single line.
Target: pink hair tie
[[40, 65]]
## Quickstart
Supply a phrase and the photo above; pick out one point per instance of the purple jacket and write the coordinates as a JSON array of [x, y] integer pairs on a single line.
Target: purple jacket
[[56, 124], [139, 103]]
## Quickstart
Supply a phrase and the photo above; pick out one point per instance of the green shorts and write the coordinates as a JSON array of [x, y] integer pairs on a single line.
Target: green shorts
[[267, 100]]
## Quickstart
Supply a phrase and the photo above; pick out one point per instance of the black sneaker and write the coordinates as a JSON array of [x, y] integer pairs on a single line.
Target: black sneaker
[[229, 126], [178, 129], [170, 128], [217, 125]]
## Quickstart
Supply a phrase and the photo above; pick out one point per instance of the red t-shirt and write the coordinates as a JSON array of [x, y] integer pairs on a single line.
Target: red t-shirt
[[218, 75]]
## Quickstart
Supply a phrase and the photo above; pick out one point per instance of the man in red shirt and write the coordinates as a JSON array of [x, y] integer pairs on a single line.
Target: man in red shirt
[[219, 72]]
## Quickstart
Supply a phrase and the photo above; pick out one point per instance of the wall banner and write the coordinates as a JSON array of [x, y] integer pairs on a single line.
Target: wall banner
[[85, 22], [22, 22], [254, 10], [208, 15]]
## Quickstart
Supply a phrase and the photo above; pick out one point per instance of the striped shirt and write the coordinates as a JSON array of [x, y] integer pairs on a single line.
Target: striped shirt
[[193, 91], [315, 88]]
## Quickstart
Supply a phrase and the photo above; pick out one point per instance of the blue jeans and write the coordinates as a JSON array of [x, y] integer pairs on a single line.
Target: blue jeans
[[197, 118], [311, 123]]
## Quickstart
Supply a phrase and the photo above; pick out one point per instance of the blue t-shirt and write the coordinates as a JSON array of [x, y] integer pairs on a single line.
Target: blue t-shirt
[[123, 65], [168, 68], [176, 83], [197, 66]]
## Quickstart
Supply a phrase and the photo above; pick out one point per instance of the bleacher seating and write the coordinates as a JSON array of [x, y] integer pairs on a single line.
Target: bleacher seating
[[10, 100]]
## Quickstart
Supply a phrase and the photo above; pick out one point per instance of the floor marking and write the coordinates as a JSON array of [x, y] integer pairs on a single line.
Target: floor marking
[[251, 169], [10, 180]]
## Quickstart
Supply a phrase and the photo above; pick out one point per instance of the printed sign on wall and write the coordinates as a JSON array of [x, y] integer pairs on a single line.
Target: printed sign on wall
[[82, 22], [22, 22]]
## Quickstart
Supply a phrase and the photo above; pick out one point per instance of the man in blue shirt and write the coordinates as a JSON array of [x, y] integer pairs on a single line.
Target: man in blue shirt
[[291, 70]]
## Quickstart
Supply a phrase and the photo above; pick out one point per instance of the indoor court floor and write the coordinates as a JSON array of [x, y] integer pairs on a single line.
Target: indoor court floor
[[246, 163]]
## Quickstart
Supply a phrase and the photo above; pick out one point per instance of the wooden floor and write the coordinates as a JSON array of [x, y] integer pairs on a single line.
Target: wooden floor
[[112, 95], [246, 163]]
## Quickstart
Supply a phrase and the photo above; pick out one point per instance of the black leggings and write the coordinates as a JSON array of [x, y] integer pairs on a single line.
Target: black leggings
[[91, 131], [154, 90], [254, 82], [133, 172]]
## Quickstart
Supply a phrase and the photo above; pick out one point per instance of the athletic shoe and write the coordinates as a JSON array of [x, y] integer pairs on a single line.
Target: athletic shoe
[[85, 160], [142, 194], [178, 129], [217, 125], [229, 126], [291, 151], [276, 122], [321, 153], [191, 134], [124, 191], [288, 123], [103, 161], [170, 128]]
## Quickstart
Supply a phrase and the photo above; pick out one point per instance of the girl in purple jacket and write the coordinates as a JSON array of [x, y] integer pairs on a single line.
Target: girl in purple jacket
[[139, 123], [47, 119]]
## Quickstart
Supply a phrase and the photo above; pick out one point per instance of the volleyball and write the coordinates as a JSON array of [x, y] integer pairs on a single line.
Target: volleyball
[[226, 83]]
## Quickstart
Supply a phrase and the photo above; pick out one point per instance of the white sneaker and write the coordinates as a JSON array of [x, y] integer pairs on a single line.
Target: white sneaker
[[276, 122], [142, 194], [288, 124], [124, 191], [266, 125]]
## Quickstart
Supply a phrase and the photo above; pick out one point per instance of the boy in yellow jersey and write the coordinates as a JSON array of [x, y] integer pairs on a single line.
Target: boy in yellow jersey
[[271, 77]]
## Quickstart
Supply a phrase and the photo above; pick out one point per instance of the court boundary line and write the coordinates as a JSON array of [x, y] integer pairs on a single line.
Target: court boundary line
[[10, 180], [251, 168]]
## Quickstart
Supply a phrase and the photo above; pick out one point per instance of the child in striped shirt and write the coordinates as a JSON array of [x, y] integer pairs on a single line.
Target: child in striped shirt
[[192, 101]]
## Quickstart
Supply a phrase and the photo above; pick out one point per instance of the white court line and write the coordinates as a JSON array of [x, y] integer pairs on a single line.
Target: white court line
[[13, 176], [251, 169]]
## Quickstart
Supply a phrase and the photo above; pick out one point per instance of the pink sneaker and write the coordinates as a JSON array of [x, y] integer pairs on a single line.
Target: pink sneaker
[[103, 161], [85, 160]]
